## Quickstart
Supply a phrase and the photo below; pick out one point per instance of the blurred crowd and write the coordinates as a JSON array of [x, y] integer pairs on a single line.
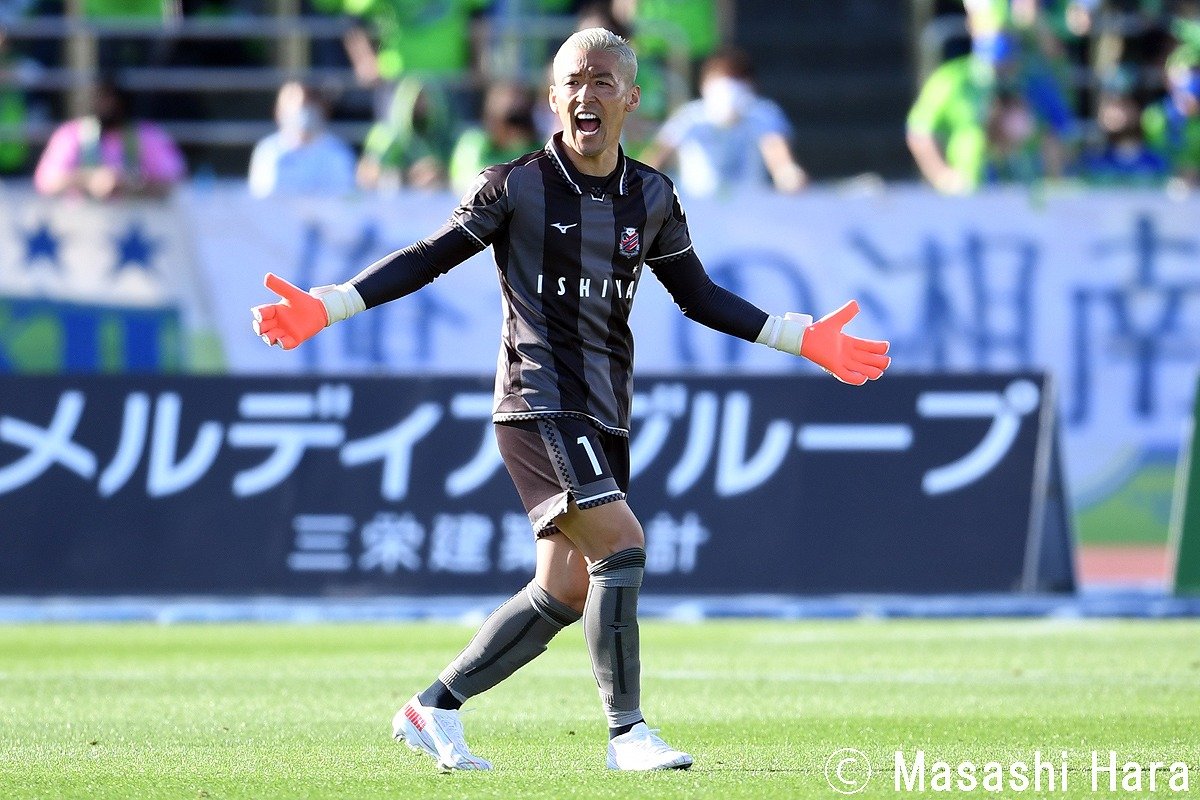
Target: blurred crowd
[[1105, 92], [432, 126]]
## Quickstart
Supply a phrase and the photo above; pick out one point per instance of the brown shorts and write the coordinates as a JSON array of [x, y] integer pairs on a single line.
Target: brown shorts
[[554, 461]]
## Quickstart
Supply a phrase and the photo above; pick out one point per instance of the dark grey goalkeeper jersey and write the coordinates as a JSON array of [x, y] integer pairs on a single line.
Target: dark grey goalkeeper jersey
[[569, 257], [569, 250]]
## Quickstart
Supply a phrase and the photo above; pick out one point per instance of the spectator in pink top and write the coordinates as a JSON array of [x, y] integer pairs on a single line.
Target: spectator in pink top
[[108, 155]]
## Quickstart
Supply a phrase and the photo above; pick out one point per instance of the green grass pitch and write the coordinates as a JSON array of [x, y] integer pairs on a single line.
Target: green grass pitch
[[262, 711]]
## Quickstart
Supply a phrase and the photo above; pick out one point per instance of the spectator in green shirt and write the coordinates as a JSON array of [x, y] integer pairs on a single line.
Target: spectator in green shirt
[[13, 148], [124, 10], [507, 132], [428, 39], [1172, 125], [695, 20], [1048, 33], [948, 123], [411, 146], [1063, 18], [120, 52], [1013, 144]]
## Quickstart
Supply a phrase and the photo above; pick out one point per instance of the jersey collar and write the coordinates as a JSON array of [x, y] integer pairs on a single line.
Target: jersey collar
[[554, 147]]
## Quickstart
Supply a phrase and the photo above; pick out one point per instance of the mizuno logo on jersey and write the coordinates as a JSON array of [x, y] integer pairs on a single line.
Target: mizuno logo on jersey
[[563, 227]]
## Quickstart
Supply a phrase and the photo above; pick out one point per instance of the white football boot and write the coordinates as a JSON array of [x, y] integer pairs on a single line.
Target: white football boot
[[438, 732], [641, 749]]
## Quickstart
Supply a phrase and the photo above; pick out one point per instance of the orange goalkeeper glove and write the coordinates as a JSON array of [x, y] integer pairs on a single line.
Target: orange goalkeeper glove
[[300, 315], [847, 358]]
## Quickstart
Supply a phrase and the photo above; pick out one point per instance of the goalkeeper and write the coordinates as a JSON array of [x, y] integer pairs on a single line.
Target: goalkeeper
[[571, 227]]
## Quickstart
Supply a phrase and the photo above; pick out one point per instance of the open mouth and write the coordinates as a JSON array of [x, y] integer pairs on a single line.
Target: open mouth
[[587, 123]]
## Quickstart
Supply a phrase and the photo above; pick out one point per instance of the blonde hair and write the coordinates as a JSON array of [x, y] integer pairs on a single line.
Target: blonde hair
[[603, 40]]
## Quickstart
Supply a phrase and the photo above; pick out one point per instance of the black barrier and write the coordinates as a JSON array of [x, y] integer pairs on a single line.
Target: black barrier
[[173, 485]]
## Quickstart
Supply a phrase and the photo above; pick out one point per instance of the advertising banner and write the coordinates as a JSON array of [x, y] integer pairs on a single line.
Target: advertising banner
[[92, 287], [344, 486], [1098, 289]]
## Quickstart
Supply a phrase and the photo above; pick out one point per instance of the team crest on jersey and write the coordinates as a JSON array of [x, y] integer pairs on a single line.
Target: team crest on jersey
[[631, 243]]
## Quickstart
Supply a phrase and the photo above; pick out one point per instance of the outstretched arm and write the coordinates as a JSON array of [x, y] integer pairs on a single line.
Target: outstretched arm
[[705, 302], [848, 358], [300, 315]]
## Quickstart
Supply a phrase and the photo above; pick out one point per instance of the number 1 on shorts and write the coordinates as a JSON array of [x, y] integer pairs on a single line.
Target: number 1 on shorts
[[591, 454]]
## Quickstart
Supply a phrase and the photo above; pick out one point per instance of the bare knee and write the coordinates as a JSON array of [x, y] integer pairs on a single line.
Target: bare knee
[[629, 536], [599, 532], [562, 571], [570, 589], [606, 543], [574, 594]]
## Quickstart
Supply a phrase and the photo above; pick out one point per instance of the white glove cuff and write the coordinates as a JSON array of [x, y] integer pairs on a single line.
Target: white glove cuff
[[785, 333], [341, 301]]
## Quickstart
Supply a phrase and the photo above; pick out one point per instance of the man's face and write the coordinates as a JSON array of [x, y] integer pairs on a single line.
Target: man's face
[[591, 101]]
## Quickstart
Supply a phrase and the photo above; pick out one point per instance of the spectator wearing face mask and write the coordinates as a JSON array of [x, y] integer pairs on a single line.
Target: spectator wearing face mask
[[302, 157], [107, 154], [730, 138]]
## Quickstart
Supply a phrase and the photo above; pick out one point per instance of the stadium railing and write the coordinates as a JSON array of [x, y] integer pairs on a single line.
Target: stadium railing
[[937, 33], [293, 36]]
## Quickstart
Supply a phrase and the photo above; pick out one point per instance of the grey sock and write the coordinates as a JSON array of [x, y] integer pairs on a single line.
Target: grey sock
[[515, 634], [611, 629]]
